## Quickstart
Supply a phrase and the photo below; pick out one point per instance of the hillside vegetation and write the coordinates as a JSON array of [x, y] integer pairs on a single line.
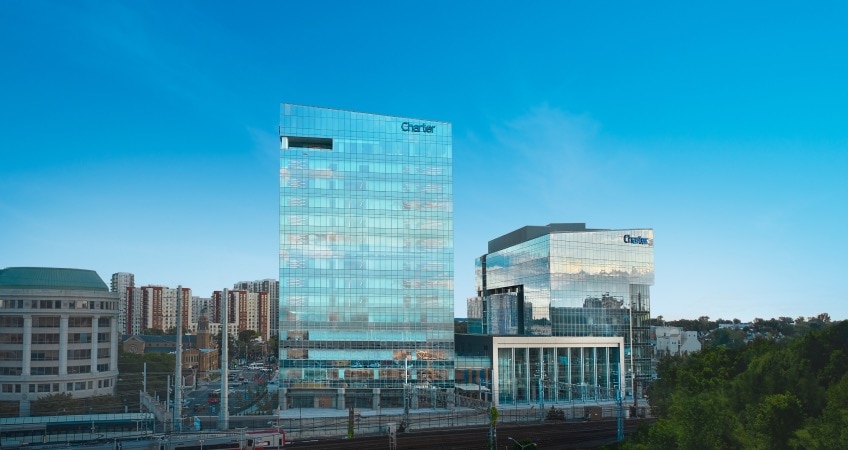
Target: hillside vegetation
[[766, 395]]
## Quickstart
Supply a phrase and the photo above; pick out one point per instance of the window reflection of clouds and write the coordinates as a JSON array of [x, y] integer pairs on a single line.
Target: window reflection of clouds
[[584, 283], [578, 263], [367, 228]]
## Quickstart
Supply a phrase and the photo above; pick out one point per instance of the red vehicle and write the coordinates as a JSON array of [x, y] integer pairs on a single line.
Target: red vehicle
[[214, 397]]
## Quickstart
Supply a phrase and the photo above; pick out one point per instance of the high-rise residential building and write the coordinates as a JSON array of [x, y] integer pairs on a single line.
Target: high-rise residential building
[[158, 307], [199, 307], [58, 334], [366, 257], [245, 310], [260, 321], [122, 284], [216, 304], [135, 297], [565, 280], [272, 288]]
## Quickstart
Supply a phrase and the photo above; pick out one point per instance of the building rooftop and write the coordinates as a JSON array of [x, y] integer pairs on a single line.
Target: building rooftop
[[285, 105], [529, 232], [51, 278]]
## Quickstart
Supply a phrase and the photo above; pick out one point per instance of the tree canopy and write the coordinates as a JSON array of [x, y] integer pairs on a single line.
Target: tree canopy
[[769, 394], [245, 336], [131, 378]]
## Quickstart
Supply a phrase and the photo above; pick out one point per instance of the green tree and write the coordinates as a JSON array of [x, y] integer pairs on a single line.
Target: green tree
[[131, 369], [662, 435], [775, 419], [830, 430], [232, 345], [245, 340], [62, 403], [9, 409], [273, 347], [246, 336], [836, 367], [703, 421], [770, 394], [102, 404], [729, 338]]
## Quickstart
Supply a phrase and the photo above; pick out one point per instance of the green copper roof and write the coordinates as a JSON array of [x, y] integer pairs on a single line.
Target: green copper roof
[[51, 278]]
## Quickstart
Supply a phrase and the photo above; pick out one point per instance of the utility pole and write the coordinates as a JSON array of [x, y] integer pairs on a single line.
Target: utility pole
[[541, 390], [635, 374], [620, 421], [224, 414], [143, 388], [178, 365], [406, 394], [168, 396], [493, 432], [632, 370]]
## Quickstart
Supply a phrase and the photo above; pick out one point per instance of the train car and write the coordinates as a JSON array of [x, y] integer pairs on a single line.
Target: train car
[[17, 431], [16, 434], [253, 440]]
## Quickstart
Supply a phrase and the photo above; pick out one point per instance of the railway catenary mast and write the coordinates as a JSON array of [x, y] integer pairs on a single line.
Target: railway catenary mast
[[176, 422], [224, 414]]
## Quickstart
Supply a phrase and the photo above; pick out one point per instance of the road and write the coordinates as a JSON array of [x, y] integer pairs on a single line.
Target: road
[[197, 400]]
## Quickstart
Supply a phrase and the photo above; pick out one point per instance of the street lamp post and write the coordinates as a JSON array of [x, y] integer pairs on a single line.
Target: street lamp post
[[541, 389], [277, 413], [405, 421]]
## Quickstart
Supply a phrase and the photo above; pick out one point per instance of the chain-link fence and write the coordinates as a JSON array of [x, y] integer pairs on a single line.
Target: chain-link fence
[[428, 409], [312, 423]]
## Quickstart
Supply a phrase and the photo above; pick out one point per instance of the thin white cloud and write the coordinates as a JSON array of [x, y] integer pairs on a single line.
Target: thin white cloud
[[546, 132], [153, 46], [554, 158], [266, 146]]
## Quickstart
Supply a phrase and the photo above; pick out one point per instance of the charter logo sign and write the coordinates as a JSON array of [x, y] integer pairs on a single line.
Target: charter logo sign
[[638, 240], [417, 127]]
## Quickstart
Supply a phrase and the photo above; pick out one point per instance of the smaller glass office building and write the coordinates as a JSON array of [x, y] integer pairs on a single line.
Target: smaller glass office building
[[530, 370], [567, 280]]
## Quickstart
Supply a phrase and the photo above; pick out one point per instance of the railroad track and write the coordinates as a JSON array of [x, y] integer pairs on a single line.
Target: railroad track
[[548, 435]]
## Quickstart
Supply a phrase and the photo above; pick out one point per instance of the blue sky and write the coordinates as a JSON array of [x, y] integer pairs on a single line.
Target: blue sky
[[141, 136]]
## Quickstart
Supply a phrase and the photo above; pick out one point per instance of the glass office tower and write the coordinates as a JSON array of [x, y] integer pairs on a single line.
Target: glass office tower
[[366, 257], [566, 280]]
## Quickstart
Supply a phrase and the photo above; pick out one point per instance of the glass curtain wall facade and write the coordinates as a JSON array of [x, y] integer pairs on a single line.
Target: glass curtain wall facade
[[580, 283], [366, 255], [535, 369], [537, 372]]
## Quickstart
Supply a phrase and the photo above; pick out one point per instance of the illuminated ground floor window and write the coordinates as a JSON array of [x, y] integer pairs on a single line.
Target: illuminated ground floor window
[[531, 370]]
